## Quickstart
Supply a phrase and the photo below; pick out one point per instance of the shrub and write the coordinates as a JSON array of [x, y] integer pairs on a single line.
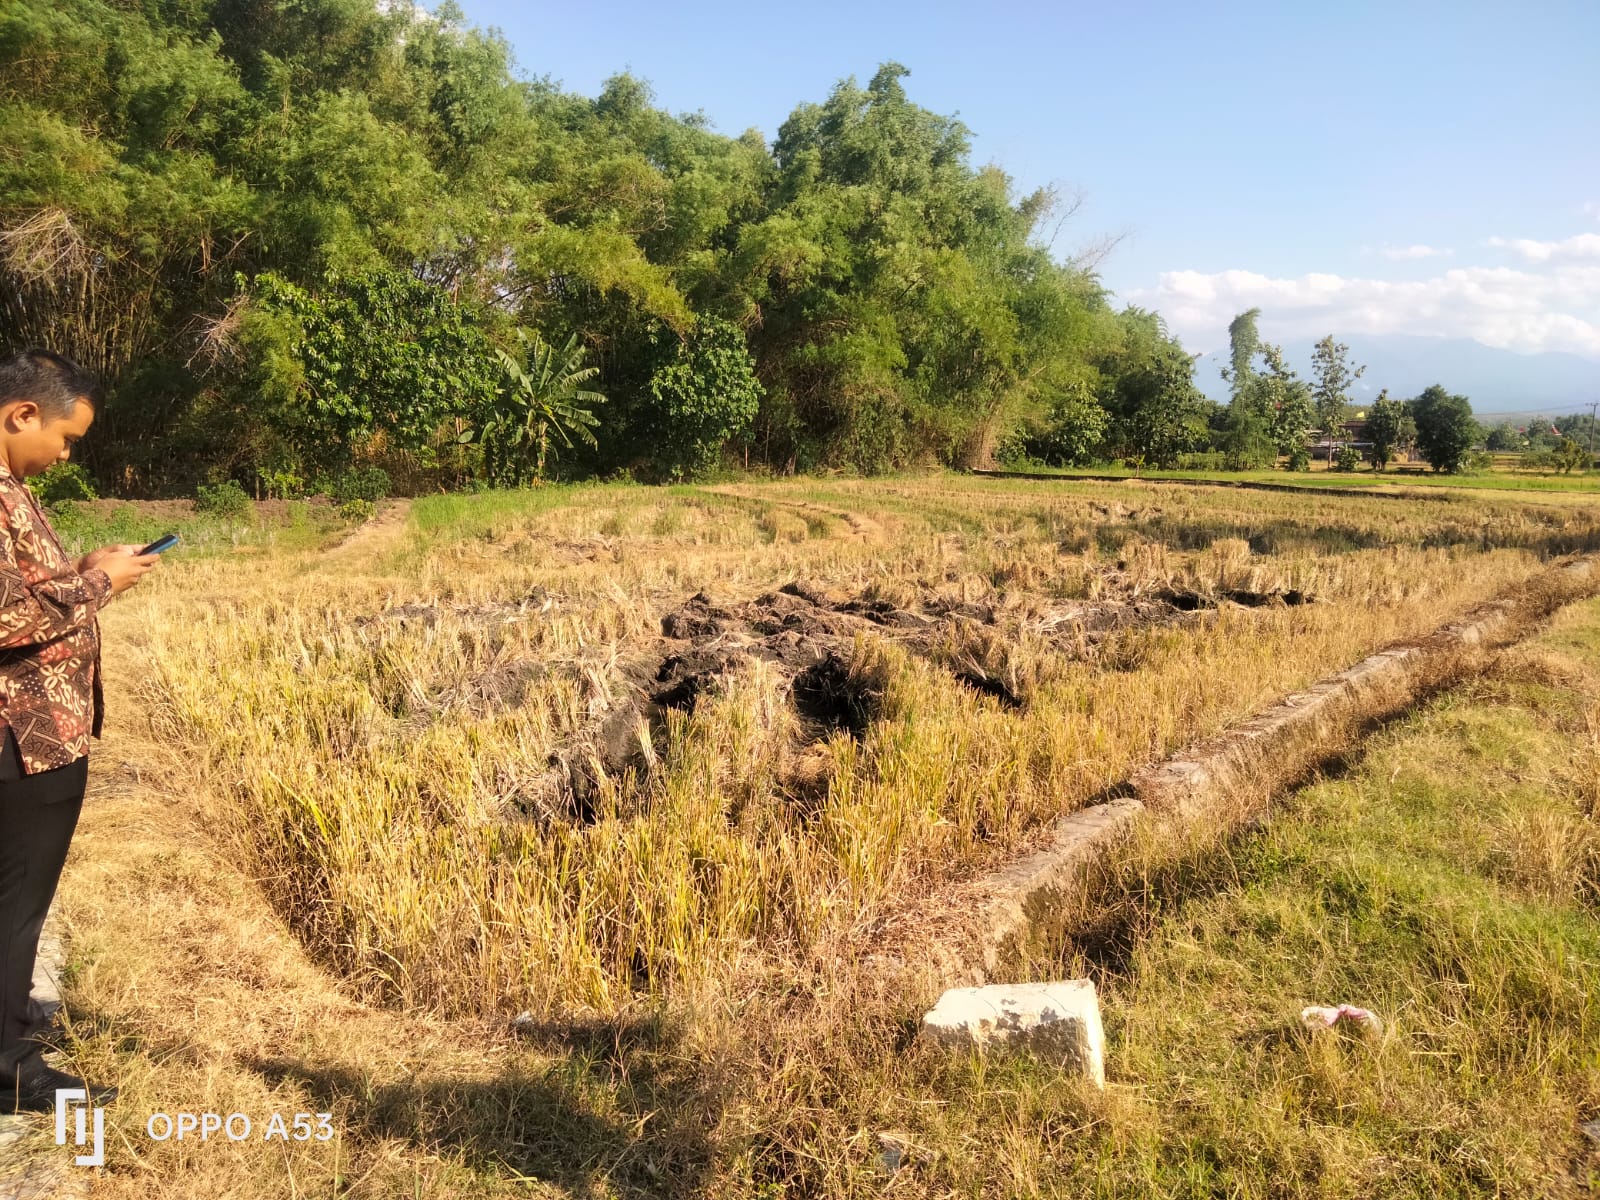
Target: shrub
[[1203, 460], [283, 483], [1346, 458], [365, 483], [1011, 452], [67, 518], [357, 509], [63, 482], [225, 499], [704, 394], [1071, 434], [82, 528], [380, 352], [1539, 460], [1570, 456], [1299, 459]]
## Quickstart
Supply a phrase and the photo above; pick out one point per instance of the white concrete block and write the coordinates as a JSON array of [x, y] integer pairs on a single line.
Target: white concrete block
[[1058, 1020]]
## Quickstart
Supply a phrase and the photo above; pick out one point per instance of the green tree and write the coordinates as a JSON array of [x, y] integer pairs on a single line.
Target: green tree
[[1543, 434], [1246, 436], [1288, 399], [902, 304], [1072, 431], [1580, 427], [1244, 342], [1389, 426], [1156, 412], [904, 311], [1570, 456], [1270, 408], [1446, 430], [1504, 437], [1330, 390], [381, 353], [542, 397]]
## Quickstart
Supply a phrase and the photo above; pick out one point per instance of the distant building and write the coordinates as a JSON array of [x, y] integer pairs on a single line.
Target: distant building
[[1350, 433]]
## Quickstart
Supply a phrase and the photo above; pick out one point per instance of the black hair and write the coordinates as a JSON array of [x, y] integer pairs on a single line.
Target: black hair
[[52, 381]]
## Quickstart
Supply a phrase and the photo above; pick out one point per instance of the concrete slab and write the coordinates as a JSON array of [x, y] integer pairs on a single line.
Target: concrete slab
[[1059, 1021]]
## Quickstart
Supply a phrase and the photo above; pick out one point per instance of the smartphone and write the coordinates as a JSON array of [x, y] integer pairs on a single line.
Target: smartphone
[[165, 542]]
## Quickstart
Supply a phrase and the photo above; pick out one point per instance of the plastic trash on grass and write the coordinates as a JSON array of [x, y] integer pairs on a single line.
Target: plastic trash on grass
[[1315, 1016]]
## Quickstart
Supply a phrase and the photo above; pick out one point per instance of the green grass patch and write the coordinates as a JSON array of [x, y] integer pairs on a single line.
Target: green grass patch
[[459, 516], [294, 526], [1420, 887], [1449, 882]]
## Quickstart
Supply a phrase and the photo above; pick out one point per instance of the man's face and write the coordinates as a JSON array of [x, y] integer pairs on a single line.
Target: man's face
[[38, 441]]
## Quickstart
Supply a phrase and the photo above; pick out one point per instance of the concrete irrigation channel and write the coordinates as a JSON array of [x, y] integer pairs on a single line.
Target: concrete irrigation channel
[[998, 926]]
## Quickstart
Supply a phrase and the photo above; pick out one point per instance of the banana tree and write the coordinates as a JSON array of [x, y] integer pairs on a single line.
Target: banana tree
[[541, 400]]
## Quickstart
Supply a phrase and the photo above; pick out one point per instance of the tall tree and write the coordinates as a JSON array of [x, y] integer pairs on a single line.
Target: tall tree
[[1243, 343], [1333, 377], [159, 160], [898, 306], [1246, 435]]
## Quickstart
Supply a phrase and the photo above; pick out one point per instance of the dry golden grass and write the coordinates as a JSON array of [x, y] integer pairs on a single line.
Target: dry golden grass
[[372, 723], [358, 748]]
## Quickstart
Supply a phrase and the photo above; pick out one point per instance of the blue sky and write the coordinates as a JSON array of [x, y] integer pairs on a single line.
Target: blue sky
[[1350, 168]]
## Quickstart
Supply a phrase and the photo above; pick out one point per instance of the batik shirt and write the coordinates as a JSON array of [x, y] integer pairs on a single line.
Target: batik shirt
[[50, 695]]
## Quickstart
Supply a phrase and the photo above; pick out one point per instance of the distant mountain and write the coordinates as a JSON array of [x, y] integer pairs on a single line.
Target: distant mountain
[[1496, 381]]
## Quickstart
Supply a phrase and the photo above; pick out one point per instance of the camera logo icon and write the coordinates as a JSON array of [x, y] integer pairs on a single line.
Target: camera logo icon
[[77, 1099]]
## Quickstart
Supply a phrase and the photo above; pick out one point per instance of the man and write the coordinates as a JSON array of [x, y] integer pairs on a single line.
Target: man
[[50, 694]]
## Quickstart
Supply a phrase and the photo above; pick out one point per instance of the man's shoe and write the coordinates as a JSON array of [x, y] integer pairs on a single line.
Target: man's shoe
[[33, 1085]]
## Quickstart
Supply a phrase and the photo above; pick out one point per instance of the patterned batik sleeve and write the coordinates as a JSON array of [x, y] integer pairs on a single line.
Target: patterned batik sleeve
[[38, 611]]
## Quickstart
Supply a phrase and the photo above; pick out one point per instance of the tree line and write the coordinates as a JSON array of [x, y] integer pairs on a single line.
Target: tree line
[[300, 240], [1272, 413], [325, 240]]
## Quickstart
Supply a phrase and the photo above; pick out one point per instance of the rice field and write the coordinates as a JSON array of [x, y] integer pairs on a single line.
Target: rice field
[[577, 749], [588, 842]]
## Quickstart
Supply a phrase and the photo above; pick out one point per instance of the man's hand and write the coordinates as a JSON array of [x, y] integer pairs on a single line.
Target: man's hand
[[123, 564], [92, 560]]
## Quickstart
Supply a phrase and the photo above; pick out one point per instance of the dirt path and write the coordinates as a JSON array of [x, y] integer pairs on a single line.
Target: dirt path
[[32, 1165], [374, 534]]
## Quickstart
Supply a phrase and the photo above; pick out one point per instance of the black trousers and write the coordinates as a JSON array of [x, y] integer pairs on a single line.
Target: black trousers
[[38, 814]]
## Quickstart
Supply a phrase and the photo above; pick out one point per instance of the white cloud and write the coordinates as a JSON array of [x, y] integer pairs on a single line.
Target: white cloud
[[1404, 253], [1556, 307], [1582, 245]]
